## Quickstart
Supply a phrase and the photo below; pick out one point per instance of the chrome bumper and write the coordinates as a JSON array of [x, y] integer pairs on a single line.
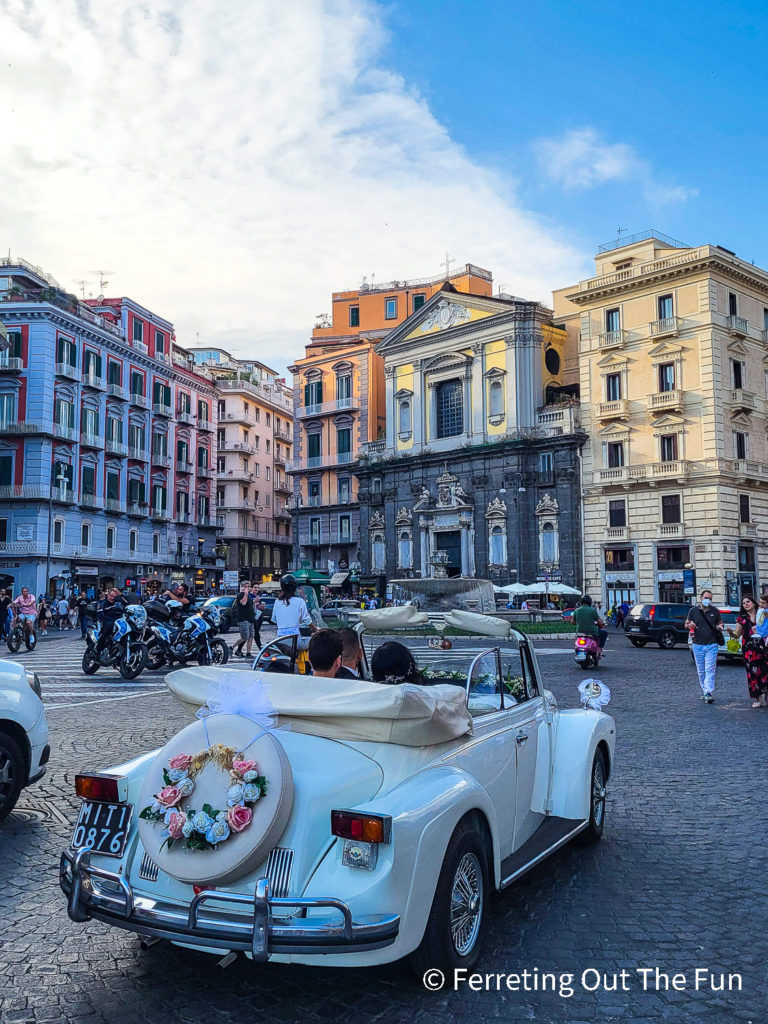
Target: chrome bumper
[[94, 892]]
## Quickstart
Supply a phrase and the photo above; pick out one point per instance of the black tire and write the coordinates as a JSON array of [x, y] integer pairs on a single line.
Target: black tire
[[203, 658], [638, 643], [440, 948], [14, 642], [219, 652], [667, 639], [13, 769], [30, 639], [138, 661], [91, 662], [155, 657], [593, 833]]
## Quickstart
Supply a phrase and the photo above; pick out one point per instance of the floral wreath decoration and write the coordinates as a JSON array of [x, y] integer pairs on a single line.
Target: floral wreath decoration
[[206, 828]]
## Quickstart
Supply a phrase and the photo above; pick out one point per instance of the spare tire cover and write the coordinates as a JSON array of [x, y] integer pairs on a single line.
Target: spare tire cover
[[242, 851]]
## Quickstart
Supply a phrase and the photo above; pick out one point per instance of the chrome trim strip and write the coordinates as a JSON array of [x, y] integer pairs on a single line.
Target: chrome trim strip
[[545, 853], [278, 870]]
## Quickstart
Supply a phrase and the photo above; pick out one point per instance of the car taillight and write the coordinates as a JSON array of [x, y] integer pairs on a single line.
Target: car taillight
[[197, 889], [98, 787], [652, 612], [367, 828], [582, 640]]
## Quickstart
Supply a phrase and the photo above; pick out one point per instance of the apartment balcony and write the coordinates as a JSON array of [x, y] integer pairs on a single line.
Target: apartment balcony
[[161, 459], [750, 469], [242, 446], [649, 473], [140, 454], [737, 326], [10, 364], [238, 417], [666, 530], [91, 501], [161, 409], [204, 425], [27, 427], [139, 509], [23, 492], [63, 495], [554, 420], [748, 530], [140, 400], [320, 462], [283, 434], [236, 505], [325, 408], [236, 476], [666, 401], [117, 391], [206, 521], [184, 467], [279, 460], [371, 449], [617, 533], [66, 370], [667, 327], [92, 380], [91, 440], [115, 505], [618, 409], [612, 339], [205, 472], [741, 399], [140, 346], [187, 417], [183, 517], [64, 432], [160, 514], [115, 447], [283, 487], [163, 357], [283, 514]]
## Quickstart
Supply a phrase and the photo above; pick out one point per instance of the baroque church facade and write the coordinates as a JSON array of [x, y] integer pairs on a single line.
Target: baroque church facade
[[477, 475]]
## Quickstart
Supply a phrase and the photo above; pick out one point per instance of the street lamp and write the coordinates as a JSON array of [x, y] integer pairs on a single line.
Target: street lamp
[[62, 481]]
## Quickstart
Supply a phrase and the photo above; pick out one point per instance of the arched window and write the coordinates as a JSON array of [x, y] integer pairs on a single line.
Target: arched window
[[496, 403], [404, 550], [404, 417], [498, 545], [548, 544], [378, 553]]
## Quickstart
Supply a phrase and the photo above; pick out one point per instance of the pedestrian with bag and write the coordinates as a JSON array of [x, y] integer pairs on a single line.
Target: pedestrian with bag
[[705, 622], [750, 624], [246, 621]]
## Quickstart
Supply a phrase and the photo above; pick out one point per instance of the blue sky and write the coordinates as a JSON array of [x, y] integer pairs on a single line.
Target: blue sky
[[250, 159], [684, 85]]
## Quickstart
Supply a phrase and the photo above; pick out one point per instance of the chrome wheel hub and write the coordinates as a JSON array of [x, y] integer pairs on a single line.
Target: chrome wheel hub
[[466, 904], [598, 793]]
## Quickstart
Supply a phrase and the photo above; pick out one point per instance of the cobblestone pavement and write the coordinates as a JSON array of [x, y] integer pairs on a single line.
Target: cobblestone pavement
[[677, 883]]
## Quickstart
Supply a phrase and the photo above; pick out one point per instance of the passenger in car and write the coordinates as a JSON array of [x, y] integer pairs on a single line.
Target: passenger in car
[[350, 655], [392, 663], [324, 652]]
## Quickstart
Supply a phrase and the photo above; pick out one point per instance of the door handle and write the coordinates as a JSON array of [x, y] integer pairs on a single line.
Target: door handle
[[522, 737]]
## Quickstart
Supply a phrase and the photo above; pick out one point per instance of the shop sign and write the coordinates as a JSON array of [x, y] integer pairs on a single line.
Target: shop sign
[[86, 570], [622, 577], [689, 581], [230, 579], [670, 577], [25, 531]]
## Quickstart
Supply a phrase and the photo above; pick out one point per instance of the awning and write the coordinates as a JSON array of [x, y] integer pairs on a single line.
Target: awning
[[337, 579]]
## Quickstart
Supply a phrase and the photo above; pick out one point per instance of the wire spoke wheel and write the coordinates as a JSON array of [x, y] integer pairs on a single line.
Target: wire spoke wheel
[[598, 791], [466, 903]]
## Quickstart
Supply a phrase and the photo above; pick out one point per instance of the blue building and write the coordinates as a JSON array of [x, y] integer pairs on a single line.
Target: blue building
[[107, 444]]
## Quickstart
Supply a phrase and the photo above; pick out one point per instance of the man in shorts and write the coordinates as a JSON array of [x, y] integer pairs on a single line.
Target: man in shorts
[[246, 620], [25, 606]]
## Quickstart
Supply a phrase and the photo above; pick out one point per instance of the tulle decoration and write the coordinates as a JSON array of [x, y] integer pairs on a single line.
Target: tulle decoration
[[594, 694]]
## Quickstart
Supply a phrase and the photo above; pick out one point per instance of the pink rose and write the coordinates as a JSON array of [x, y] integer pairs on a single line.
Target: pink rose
[[169, 796], [239, 818], [182, 761], [241, 767], [175, 824]]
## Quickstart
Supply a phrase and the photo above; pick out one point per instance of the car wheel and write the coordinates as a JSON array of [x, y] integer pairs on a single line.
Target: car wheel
[[638, 643], [455, 928], [12, 770], [667, 639], [594, 830], [90, 662]]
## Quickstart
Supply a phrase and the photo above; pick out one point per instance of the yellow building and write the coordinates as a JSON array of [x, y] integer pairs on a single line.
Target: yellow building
[[673, 381]]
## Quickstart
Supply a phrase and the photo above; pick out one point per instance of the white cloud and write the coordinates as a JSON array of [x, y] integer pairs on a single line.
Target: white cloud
[[581, 159], [235, 162]]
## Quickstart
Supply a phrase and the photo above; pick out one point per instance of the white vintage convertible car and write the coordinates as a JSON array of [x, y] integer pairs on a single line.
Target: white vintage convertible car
[[341, 822]]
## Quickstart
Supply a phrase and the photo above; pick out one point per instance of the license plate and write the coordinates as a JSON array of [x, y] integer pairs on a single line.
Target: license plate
[[634, 629], [102, 827], [581, 655]]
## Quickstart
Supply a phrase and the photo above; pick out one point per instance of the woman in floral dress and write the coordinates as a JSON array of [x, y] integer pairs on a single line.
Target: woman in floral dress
[[755, 652]]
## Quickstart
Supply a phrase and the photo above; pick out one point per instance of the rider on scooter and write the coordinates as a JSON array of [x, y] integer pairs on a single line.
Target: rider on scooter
[[112, 608], [587, 621]]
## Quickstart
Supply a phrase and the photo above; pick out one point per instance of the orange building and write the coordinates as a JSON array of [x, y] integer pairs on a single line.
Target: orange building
[[339, 405]]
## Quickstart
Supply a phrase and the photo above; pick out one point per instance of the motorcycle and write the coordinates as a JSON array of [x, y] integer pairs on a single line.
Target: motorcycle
[[124, 648], [587, 651], [194, 639]]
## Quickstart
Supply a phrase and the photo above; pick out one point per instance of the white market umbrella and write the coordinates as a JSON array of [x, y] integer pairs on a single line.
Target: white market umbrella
[[562, 588], [516, 588]]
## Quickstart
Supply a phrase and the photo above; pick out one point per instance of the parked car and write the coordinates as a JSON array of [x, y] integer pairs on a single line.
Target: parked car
[[568, 614], [269, 604], [224, 604], [387, 814], [662, 623], [344, 610], [730, 649], [24, 749]]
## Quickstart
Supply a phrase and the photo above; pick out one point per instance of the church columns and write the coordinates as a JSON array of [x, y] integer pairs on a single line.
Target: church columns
[[476, 404], [391, 411], [524, 383], [431, 411], [510, 396], [417, 418], [426, 568]]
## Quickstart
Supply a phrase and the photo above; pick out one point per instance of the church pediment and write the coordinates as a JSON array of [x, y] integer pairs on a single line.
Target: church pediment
[[445, 310], [444, 314]]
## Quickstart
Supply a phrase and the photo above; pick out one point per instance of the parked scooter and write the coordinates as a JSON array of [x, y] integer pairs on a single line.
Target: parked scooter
[[587, 651], [194, 639], [124, 648]]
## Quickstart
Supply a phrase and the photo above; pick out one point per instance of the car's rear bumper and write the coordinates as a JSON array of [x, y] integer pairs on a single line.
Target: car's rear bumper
[[94, 892]]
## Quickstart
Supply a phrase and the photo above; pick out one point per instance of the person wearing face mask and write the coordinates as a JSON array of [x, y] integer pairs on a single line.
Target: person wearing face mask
[[705, 622]]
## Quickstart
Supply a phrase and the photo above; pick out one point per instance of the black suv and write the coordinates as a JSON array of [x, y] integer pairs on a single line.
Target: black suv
[[664, 623]]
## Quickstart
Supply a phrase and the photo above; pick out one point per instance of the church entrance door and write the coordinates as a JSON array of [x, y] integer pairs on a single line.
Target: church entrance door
[[450, 542]]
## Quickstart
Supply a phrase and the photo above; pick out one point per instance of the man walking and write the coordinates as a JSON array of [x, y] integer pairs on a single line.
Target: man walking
[[705, 621], [245, 619]]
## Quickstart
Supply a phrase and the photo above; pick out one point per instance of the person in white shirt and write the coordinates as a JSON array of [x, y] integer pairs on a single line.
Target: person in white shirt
[[290, 613]]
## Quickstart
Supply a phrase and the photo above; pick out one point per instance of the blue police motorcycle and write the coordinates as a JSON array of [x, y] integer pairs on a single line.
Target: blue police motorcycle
[[123, 648]]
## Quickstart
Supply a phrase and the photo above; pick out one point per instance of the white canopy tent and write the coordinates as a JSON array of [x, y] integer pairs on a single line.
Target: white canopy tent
[[539, 588]]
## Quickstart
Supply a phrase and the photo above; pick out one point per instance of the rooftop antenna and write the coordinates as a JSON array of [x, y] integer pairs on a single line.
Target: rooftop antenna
[[80, 284], [620, 232], [373, 276], [501, 289], [101, 274], [447, 264]]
